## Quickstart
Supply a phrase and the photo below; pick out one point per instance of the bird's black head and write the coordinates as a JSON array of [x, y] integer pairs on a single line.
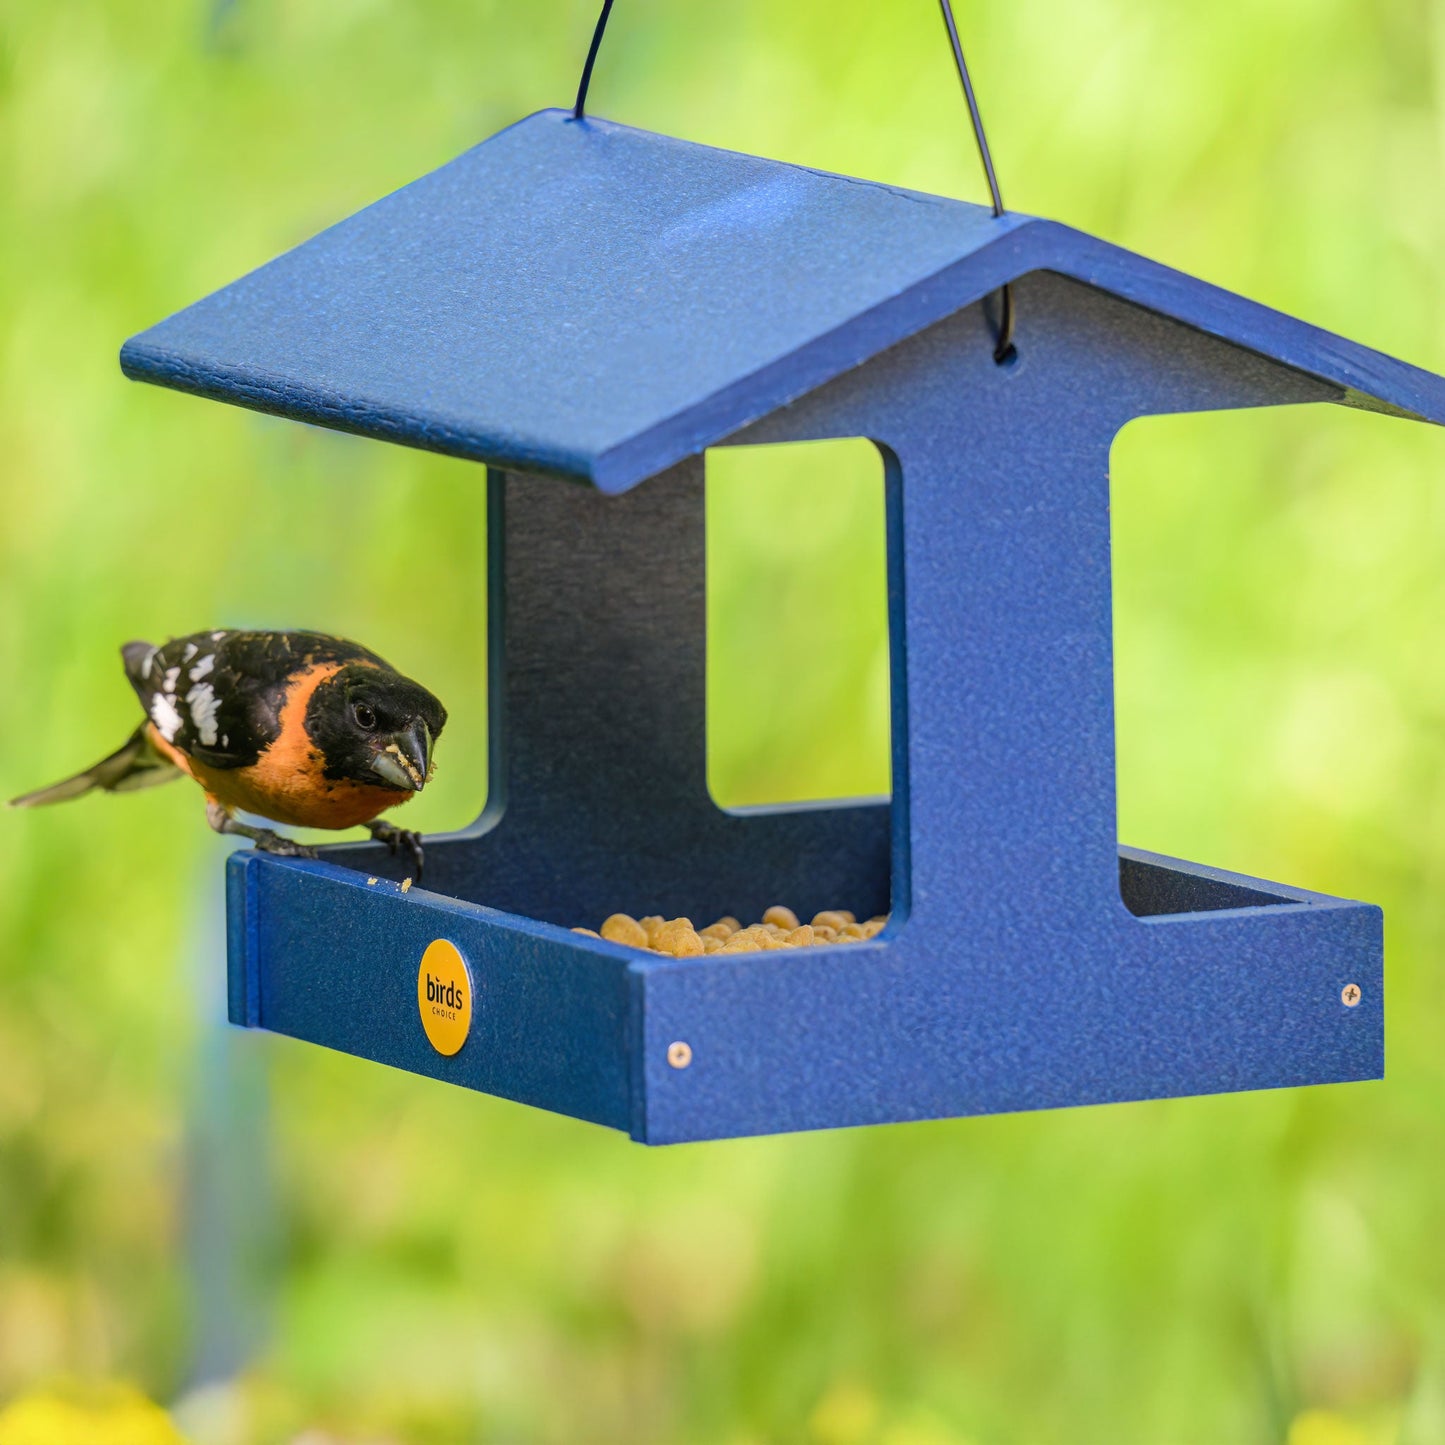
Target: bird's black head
[[375, 726]]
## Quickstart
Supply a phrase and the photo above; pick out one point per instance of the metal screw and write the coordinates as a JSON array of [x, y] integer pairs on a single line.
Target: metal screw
[[1350, 995], [679, 1054]]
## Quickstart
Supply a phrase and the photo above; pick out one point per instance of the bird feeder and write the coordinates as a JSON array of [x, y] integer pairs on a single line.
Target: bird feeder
[[587, 308]]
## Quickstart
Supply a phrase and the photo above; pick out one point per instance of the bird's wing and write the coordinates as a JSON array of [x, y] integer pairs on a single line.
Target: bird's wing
[[133, 765], [217, 696], [197, 703]]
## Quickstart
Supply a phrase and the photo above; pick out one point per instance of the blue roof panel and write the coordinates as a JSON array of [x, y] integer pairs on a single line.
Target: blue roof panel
[[589, 299]]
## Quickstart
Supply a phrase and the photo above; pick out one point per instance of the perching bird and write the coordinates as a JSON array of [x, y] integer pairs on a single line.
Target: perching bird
[[297, 727]]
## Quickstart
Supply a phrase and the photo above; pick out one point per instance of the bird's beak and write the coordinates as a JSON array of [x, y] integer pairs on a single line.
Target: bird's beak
[[406, 760]]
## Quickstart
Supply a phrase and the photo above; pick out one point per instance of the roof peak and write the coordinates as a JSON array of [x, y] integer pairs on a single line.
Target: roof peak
[[604, 126]]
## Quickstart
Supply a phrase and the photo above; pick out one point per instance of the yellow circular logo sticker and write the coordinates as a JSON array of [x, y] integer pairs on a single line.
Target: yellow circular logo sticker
[[444, 996]]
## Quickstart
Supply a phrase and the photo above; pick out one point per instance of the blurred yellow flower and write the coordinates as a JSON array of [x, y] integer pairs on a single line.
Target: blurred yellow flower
[[1320, 1427], [115, 1415], [920, 1428], [846, 1415]]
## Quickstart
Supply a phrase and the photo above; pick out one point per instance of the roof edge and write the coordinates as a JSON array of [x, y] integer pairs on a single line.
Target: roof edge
[[1370, 380], [258, 390], [1394, 387]]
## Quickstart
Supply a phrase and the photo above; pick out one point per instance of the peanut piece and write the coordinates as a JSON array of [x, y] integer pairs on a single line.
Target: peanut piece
[[677, 938], [785, 918], [751, 940], [625, 929]]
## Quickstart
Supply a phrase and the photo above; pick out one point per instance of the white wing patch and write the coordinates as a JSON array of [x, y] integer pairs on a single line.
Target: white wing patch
[[203, 701], [145, 667], [190, 652], [172, 677], [165, 717], [203, 667]]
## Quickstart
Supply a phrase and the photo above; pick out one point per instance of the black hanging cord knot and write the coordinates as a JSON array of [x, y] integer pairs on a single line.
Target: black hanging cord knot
[[1003, 350]]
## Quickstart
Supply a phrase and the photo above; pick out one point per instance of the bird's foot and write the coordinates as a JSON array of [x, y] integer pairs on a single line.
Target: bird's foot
[[397, 838], [262, 838], [268, 842]]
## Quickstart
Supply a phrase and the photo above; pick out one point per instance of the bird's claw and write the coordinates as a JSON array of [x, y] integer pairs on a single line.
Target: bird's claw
[[398, 838], [220, 819], [269, 842]]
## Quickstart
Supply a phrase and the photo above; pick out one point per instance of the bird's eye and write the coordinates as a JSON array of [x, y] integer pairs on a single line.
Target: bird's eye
[[365, 718]]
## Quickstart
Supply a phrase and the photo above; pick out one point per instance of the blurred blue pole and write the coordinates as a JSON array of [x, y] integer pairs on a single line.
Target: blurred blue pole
[[219, 14], [231, 1232]]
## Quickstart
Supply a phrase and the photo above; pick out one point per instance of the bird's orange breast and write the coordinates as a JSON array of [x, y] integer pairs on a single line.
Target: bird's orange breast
[[288, 782]]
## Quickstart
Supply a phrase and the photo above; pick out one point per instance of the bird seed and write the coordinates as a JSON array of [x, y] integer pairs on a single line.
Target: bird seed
[[779, 928]]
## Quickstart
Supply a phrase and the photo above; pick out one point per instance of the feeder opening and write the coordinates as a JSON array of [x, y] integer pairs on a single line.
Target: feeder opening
[[1221, 733], [351, 580], [605, 682], [797, 623]]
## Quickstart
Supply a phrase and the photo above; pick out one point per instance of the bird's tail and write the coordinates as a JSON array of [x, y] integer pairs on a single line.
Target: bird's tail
[[132, 766]]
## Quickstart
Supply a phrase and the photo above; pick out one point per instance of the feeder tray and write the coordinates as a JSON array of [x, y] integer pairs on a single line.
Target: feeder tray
[[580, 302]]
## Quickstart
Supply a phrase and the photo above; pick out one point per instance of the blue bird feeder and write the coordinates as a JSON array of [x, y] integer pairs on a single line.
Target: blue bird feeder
[[587, 308]]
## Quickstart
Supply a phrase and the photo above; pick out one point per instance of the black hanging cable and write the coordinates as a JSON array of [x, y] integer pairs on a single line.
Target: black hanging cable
[[974, 114], [580, 107], [1003, 346]]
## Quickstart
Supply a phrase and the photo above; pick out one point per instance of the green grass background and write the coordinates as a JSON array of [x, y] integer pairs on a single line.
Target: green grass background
[[284, 1244]]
